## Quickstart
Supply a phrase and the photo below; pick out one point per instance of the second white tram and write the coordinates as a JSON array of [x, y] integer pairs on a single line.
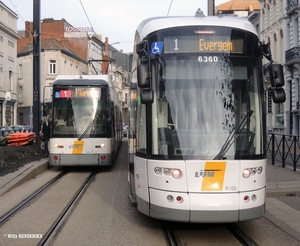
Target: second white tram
[[87, 121], [197, 133]]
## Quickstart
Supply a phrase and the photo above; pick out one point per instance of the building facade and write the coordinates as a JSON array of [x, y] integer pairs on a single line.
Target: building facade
[[269, 17], [292, 65], [273, 24], [54, 59], [65, 50], [8, 66]]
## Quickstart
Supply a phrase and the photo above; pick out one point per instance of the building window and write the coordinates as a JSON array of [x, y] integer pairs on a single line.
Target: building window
[[21, 121], [20, 71], [52, 67], [11, 81], [1, 45], [1, 105], [125, 97], [11, 49], [1, 77], [279, 116], [20, 94]]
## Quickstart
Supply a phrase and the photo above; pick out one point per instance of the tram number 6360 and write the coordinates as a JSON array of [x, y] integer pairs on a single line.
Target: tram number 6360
[[231, 188], [208, 59]]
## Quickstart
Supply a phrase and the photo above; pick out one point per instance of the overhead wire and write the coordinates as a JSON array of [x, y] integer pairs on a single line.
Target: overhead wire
[[86, 15], [170, 7]]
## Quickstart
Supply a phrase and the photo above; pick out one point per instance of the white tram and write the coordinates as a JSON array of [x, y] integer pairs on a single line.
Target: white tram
[[197, 134], [86, 121]]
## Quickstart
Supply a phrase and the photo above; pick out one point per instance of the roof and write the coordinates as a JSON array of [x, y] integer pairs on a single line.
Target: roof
[[159, 23], [51, 44], [248, 5]]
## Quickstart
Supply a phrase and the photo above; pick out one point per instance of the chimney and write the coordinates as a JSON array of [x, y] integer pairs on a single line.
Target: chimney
[[106, 43], [211, 7]]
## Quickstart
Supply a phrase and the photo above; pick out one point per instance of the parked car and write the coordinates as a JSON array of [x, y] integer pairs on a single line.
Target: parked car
[[125, 130], [18, 128], [22, 128], [5, 130]]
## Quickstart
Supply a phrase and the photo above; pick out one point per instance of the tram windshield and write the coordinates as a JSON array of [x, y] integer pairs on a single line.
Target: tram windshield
[[79, 112], [206, 105]]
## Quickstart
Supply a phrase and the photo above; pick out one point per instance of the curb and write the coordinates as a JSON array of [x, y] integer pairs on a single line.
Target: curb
[[35, 168]]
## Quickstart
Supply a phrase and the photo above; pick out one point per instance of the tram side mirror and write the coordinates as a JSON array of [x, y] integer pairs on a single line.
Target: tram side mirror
[[277, 81], [143, 76], [266, 51], [276, 75], [142, 48], [278, 95], [45, 109], [146, 96]]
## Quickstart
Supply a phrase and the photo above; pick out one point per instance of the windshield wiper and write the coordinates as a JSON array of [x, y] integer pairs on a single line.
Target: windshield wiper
[[88, 128], [233, 136]]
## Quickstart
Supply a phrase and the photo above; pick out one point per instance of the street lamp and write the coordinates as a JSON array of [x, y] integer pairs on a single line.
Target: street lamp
[[115, 43]]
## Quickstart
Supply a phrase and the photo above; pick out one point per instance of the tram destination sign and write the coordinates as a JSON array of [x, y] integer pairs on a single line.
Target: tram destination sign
[[78, 92], [210, 44]]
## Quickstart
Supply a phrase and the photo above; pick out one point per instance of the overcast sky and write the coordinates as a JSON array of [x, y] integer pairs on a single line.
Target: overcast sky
[[115, 19]]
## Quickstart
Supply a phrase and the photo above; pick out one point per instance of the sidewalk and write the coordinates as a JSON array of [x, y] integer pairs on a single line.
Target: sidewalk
[[283, 198], [283, 192]]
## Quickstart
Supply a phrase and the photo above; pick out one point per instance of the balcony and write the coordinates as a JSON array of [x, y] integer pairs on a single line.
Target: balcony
[[292, 56], [291, 6]]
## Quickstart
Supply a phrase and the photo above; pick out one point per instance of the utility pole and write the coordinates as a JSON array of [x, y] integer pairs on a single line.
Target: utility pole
[[36, 51]]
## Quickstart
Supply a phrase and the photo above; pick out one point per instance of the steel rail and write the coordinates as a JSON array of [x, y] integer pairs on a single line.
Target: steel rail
[[241, 235], [30, 198], [63, 217]]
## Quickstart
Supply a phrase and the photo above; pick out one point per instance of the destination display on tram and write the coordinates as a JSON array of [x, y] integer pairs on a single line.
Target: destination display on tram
[[77, 93], [210, 44]]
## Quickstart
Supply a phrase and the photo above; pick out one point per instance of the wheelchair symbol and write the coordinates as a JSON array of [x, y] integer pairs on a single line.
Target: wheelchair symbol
[[156, 48], [57, 94]]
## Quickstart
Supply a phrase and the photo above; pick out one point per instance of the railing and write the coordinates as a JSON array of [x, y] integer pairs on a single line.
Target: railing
[[291, 4], [284, 149], [292, 55]]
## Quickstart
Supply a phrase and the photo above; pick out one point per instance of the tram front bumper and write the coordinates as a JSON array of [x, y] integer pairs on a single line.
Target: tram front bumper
[[206, 207], [80, 160]]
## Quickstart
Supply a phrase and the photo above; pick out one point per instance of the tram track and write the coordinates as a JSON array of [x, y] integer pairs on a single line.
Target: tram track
[[240, 235], [173, 238], [63, 217], [4, 218], [51, 230], [169, 233]]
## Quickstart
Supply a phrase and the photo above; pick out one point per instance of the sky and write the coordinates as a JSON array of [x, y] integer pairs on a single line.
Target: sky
[[115, 19]]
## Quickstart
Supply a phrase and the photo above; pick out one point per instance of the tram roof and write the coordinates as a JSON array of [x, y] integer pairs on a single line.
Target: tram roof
[[82, 80], [158, 23]]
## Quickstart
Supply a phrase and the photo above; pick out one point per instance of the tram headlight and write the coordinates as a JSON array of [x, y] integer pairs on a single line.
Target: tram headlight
[[259, 170], [176, 173], [253, 171], [246, 173], [166, 171], [157, 170]]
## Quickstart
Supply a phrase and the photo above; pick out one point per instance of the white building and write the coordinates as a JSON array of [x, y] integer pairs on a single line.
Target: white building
[[8, 66], [292, 65], [55, 59], [273, 26]]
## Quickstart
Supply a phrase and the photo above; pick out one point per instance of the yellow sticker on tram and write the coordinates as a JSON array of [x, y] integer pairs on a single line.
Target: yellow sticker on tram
[[213, 176], [78, 147]]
